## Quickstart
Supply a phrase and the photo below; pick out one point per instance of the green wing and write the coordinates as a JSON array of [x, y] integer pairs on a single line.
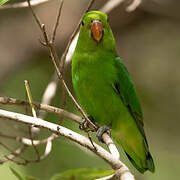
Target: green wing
[[125, 88]]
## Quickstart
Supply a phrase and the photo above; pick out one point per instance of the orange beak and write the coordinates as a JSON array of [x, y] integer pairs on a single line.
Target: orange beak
[[97, 30]]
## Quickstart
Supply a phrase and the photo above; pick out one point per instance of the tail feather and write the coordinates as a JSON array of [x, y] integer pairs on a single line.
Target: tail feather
[[150, 162], [149, 159], [141, 170]]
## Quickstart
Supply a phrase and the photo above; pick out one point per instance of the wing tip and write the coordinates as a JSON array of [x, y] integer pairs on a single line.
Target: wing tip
[[150, 163], [140, 169]]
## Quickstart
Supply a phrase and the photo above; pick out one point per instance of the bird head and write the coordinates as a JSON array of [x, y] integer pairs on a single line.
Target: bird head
[[95, 22], [95, 32]]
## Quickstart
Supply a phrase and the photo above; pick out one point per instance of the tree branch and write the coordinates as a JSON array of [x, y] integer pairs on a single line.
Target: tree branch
[[116, 164], [44, 107], [57, 20], [23, 4], [72, 116]]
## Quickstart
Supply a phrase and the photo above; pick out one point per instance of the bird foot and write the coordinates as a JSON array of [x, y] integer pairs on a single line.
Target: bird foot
[[101, 131], [85, 125]]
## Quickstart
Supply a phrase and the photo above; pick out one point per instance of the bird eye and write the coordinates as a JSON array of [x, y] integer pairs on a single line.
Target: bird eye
[[82, 23]]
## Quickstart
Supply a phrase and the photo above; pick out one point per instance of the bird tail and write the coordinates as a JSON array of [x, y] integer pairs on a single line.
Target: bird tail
[[135, 145], [149, 163]]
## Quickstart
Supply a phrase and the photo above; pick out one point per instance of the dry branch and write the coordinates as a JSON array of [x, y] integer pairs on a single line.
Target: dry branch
[[23, 4], [116, 164], [43, 107]]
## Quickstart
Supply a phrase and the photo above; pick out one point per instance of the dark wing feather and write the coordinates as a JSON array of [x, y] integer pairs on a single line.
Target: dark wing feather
[[125, 88]]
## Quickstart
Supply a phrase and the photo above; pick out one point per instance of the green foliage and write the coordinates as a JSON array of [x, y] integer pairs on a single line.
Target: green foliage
[[17, 174], [75, 174], [82, 174], [2, 2], [19, 177]]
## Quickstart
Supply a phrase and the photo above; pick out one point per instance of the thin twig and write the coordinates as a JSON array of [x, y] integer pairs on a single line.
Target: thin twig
[[29, 95], [32, 142], [13, 155], [11, 151], [47, 149], [28, 141], [16, 155], [63, 104], [91, 141], [31, 134], [57, 20], [34, 15]]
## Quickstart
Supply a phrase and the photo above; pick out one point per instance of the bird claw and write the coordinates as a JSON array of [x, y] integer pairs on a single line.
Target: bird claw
[[101, 131], [84, 126]]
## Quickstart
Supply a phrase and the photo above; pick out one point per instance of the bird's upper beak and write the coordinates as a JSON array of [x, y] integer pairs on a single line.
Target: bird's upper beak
[[97, 30]]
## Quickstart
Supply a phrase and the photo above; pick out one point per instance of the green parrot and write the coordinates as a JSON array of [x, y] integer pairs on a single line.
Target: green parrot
[[105, 90]]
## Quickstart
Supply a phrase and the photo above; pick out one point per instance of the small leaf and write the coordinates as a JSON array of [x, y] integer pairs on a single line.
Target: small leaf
[[82, 174], [16, 173], [3, 1]]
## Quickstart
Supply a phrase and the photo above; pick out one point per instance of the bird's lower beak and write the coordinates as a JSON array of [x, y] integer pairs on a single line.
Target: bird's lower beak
[[97, 30]]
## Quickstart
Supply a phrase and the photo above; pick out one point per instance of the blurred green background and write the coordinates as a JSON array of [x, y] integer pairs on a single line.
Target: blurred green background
[[148, 40]]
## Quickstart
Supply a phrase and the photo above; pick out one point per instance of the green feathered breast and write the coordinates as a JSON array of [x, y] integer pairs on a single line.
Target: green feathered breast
[[106, 92]]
